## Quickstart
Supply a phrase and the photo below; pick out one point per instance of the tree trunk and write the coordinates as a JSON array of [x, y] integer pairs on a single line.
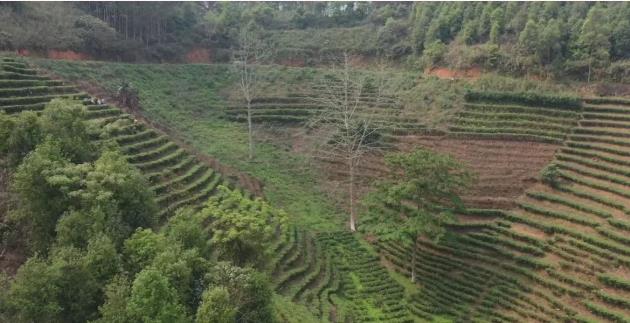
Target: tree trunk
[[250, 130], [353, 226], [589, 73], [413, 259]]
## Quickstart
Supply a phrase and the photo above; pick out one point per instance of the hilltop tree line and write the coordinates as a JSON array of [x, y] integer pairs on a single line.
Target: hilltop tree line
[[96, 250], [568, 38]]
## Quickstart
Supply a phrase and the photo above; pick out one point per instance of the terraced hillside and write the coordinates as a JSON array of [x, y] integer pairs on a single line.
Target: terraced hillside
[[336, 278], [562, 254], [176, 176], [495, 137], [301, 105], [304, 267]]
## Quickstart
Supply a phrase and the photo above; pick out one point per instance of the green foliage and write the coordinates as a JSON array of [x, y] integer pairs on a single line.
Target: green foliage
[[249, 292], [107, 196], [153, 299], [19, 136], [216, 307], [242, 228], [61, 289], [594, 44], [114, 310], [39, 202], [419, 197], [187, 228], [434, 53], [525, 98]]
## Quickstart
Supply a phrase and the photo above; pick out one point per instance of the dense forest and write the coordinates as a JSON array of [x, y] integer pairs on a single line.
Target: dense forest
[[546, 38]]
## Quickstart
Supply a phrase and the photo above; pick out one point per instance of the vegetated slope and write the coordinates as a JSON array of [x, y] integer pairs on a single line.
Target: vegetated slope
[[301, 105], [176, 176], [562, 254], [332, 274]]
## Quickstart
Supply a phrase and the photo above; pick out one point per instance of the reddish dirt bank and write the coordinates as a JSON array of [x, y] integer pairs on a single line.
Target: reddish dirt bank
[[445, 73], [55, 54]]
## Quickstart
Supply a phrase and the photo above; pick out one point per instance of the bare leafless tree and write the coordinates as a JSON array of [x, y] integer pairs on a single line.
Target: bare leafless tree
[[247, 59], [349, 128]]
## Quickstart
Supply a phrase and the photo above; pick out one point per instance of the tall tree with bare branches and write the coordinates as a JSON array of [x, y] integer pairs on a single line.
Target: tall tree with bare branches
[[349, 130], [247, 58]]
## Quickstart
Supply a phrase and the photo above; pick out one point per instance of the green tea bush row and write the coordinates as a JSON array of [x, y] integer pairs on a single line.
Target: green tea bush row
[[595, 165], [517, 117], [608, 100], [593, 184], [523, 247], [615, 282], [157, 175], [619, 238], [197, 198], [604, 124], [589, 196], [599, 139], [278, 257], [614, 300], [620, 224], [595, 173], [145, 145], [24, 107], [20, 70], [136, 137], [558, 215], [208, 179], [316, 269], [543, 196], [569, 280], [516, 126], [604, 109], [525, 98], [606, 313], [38, 99], [606, 116], [603, 132], [567, 115], [19, 76], [103, 113], [540, 244], [36, 90], [26, 83], [159, 152], [165, 161], [192, 173], [595, 154], [519, 133], [598, 148]]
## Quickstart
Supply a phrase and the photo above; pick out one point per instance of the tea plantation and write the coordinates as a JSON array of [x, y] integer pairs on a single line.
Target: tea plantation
[[556, 249]]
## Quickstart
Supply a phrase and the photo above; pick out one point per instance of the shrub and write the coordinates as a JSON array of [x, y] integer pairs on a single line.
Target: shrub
[[551, 175]]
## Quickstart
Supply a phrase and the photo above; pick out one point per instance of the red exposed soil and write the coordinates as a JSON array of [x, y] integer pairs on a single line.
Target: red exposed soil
[[67, 55], [445, 73], [199, 55], [56, 54]]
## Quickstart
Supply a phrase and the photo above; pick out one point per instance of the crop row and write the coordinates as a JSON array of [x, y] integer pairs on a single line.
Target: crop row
[[525, 98]]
